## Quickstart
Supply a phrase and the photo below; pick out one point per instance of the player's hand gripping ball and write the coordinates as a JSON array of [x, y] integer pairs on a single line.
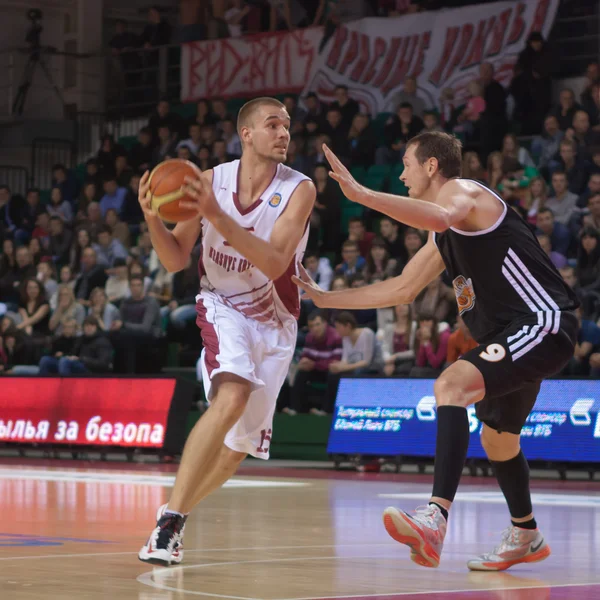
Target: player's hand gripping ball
[[166, 190]]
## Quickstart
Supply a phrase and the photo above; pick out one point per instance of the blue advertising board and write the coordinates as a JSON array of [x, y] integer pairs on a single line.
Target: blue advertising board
[[392, 417]]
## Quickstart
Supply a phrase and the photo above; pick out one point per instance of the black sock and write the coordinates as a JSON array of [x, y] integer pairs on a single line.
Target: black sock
[[513, 477], [442, 509], [531, 524], [450, 450]]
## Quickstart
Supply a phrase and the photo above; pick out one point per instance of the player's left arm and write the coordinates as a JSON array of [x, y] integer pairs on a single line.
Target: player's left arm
[[453, 205], [272, 257]]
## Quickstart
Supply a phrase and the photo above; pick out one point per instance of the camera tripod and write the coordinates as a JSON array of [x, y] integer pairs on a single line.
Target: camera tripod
[[35, 58]]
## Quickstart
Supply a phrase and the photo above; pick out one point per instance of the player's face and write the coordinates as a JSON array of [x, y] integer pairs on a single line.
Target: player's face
[[415, 176], [270, 132]]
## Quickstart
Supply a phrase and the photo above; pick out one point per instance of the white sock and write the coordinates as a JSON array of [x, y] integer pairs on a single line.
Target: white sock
[[174, 512]]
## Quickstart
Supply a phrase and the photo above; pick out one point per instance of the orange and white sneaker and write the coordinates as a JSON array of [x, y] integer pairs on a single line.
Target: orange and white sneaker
[[517, 546], [423, 532]]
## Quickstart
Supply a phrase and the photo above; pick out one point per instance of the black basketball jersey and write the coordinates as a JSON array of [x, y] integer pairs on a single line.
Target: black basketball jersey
[[501, 275]]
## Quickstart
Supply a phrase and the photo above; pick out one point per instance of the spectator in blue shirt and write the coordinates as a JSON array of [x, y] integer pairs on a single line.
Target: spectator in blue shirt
[[108, 249], [560, 237], [114, 196]]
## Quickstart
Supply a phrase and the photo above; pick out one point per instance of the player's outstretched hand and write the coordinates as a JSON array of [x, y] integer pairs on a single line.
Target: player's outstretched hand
[[144, 196], [350, 187], [312, 290], [201, 197]]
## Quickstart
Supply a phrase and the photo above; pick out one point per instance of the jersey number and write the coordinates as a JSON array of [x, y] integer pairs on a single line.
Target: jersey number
[[493, 353]]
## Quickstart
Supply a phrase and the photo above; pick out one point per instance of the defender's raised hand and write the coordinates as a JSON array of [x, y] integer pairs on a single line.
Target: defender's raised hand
[[306, 283], [350, 187]]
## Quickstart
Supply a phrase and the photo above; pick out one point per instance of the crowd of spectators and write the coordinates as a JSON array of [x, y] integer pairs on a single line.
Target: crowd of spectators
[[82, 290]]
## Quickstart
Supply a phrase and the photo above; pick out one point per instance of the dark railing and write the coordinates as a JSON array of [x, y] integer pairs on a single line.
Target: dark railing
[[575, 36], [137, 79], [46, 152], [16, 178]]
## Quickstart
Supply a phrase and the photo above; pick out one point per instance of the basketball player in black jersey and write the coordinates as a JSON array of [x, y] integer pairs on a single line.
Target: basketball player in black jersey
[[517, 308]]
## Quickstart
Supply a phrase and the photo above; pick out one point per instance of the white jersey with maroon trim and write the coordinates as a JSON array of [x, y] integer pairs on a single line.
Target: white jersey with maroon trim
[[226, 273]]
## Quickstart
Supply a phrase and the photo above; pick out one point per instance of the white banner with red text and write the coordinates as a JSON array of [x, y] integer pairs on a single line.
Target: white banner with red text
[[265, 64], [442, 49]]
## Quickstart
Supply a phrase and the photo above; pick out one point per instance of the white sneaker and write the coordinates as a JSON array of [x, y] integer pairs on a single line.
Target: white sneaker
[[423, 532], [517, 546], [165, 544]]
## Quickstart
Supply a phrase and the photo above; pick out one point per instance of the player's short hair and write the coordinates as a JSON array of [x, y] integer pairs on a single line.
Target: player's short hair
[[545, 210], [316, 314], [136, 278], [247, 111], [311, 254], [346, 318], [356, 220], [446, 148]]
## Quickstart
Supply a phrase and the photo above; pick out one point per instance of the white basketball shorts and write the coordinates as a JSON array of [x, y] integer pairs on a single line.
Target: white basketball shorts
[[255, 351]]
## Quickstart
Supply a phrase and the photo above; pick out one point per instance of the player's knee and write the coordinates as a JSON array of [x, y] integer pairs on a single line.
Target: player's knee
[[448, 390], [232, 458], [231, 399], [499, 447], [230, 407]]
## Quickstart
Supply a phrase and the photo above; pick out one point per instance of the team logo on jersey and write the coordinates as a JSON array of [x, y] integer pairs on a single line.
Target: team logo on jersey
[[275, 199], [465, 294]]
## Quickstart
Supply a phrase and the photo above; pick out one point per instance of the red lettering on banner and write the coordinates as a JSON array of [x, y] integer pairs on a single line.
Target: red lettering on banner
[[351, 53], [451, 35], [258, 64], [476, 54], [388, 63], [518, 26], [465, 39], [403, 65], [539, 18], [379, 52], [339, 39], [363, 58], [499, 32], [424, 40]]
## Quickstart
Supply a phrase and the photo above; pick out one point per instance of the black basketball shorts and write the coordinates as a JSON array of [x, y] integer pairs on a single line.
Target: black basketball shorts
[[515, 362]]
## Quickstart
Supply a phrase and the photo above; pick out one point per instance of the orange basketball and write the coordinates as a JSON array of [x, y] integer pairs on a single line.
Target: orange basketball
[[166, 181]]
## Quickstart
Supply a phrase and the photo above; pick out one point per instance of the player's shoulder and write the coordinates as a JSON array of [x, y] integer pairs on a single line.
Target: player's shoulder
[[285, 173], [466, 186]]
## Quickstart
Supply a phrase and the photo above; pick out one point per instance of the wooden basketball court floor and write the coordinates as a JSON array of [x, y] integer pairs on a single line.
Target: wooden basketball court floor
[[72, 531]]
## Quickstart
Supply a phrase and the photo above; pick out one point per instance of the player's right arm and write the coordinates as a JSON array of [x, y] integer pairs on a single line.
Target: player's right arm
[[423, 268], [172, 247]]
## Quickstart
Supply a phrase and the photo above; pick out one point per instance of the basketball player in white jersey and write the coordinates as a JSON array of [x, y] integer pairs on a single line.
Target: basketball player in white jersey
[[253, 216]]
